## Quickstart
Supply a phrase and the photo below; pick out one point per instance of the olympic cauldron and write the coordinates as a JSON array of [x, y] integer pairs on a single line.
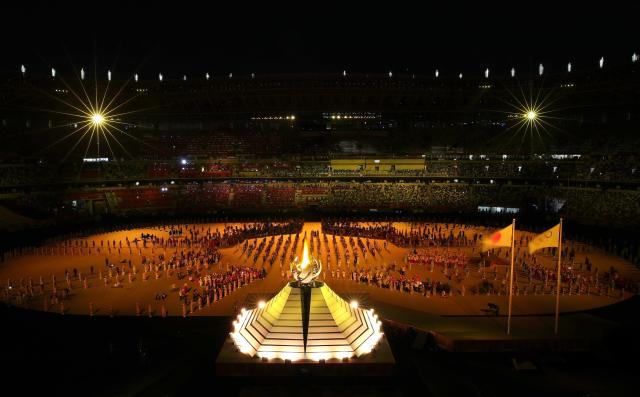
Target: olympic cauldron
[[306, 321]]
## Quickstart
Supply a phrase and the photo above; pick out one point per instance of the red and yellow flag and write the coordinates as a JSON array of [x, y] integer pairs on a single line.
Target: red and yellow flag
[[550, 238], [501, 238]]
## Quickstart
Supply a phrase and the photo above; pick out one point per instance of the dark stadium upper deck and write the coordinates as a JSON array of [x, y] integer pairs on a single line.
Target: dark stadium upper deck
[[616, 87]]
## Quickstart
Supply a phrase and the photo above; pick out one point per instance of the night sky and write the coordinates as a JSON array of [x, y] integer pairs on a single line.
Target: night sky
[[310, 37]]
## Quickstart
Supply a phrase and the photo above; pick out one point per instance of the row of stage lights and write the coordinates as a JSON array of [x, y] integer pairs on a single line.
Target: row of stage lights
[[512, 71]]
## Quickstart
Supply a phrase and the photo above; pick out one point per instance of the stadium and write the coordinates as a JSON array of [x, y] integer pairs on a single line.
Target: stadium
[[372, 232]]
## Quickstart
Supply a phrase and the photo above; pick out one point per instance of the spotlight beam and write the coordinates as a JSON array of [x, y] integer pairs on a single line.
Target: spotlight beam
[[530, 118], [111, 115], [64, 137], [110, 149], [94, 113], [109, 112], [87, 129], [86, 150], [77, 74], [126, 83], [58, 99], [76, 95], [120, 144], [104, 94]]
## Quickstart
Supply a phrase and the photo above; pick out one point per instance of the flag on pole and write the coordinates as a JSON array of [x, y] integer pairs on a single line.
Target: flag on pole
[[549, 238], [501, 238]]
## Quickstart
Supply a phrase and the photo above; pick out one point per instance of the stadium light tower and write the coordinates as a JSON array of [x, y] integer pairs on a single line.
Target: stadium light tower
[[437, 73], [23, 70], [486, 73], [540, 69], [135, 77], [601, 62], [513, 72], [95, 118]]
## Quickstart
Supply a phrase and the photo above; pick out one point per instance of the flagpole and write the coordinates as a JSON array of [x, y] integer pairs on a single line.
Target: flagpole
[[558, 277], [513, 253]]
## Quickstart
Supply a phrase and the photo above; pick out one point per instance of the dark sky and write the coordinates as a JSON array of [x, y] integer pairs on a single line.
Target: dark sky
[[192, 38]]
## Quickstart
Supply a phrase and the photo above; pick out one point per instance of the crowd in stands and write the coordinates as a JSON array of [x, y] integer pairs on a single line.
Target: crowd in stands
[[623, 169], [588, 205], [143, 198], [25, 174], [220, 143]]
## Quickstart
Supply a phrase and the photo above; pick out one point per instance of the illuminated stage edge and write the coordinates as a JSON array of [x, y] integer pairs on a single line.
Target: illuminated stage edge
[[342, 340], [305, 323]]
